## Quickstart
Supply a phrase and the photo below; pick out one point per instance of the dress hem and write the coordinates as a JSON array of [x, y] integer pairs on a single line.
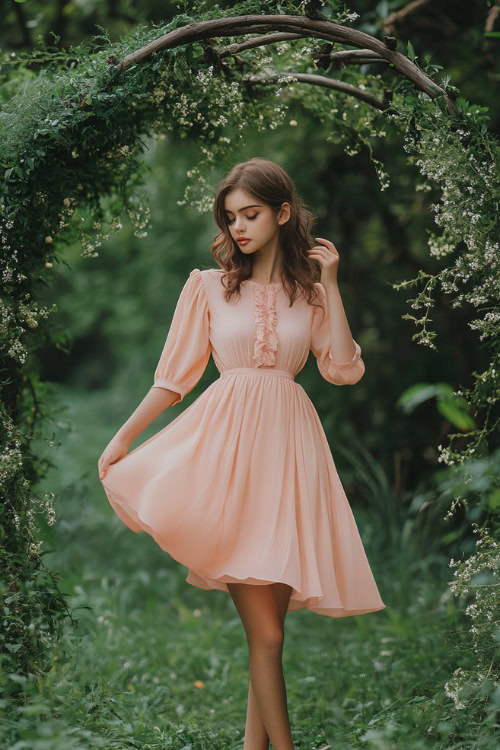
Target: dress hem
[[208, 582]]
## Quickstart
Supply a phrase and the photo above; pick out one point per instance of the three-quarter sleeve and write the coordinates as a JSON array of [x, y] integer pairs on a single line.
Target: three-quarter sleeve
[[338, 373], [187, 348]]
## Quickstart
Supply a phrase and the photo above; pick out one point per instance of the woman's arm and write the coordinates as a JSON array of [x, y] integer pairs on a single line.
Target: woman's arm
[[341, 340], [182, 362], [337, 353], [151, 406], [342, 347]]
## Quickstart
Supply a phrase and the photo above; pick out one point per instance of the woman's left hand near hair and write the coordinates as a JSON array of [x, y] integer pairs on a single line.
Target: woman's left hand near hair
[[328, 258]]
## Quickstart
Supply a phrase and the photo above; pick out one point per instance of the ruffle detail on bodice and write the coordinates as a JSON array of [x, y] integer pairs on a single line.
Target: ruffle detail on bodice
[[266, 344]]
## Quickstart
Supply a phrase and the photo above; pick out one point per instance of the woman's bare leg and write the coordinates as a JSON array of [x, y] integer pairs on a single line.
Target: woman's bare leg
[[256, 736], [262, 609]]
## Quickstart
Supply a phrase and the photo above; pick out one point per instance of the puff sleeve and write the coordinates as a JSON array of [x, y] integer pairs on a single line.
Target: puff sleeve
[[187, 348], [338, 373]]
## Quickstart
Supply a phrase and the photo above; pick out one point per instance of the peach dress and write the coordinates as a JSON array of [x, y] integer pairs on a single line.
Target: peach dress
[[241, 486]]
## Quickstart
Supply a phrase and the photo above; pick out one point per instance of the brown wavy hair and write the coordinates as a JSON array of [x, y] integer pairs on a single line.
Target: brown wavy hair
[[267, 181]]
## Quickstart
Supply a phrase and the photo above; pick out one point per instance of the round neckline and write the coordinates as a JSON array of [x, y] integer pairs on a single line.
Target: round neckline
[[260, 283], [252, 281]]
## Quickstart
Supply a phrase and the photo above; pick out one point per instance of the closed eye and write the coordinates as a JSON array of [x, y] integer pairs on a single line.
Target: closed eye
[[251, 218]]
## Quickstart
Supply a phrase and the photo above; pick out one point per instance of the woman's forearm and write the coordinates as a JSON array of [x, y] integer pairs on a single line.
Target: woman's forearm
[[341, 340], [152, 405]]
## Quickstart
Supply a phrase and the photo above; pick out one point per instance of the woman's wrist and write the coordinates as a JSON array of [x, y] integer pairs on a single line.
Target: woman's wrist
[[123, 436], [331, 287]]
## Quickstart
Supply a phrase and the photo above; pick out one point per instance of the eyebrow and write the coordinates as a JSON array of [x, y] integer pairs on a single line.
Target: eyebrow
[[254, 205]]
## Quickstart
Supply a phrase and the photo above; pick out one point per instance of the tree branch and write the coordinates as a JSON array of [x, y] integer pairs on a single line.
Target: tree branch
[[299, 25], [316, 80], [346, 56], [256, 41]]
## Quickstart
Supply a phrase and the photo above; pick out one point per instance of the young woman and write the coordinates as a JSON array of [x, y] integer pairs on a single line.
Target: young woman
[[241, 487]]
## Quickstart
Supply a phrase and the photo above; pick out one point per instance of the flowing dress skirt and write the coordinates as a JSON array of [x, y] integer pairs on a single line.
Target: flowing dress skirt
[[242, 487]]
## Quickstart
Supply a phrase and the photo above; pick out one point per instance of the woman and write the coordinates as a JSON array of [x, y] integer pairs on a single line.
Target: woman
[[241, 487]]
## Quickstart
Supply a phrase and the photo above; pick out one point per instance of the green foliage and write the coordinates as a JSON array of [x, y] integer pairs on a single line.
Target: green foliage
[[451, 406]]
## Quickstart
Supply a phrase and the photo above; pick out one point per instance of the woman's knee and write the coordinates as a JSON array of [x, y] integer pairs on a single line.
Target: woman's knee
[[260, 615], [268, 639]]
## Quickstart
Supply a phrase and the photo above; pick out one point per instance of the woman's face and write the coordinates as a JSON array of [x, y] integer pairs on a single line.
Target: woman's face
[[247, 216]]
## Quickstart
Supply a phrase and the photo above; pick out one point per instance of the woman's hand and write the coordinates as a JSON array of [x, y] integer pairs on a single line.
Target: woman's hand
[[328, 258], [115, 450]]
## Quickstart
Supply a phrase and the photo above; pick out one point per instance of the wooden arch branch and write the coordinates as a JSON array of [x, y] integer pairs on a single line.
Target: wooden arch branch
[[300, 26], [346, 56], [330, 83]]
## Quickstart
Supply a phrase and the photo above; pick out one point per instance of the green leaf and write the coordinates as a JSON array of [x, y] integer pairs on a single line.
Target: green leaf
[[419, 392], [453, 409], [411, 51], [13, 646], [462, 104]]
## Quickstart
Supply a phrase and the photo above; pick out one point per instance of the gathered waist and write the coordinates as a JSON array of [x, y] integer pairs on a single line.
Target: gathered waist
[[258, 371]]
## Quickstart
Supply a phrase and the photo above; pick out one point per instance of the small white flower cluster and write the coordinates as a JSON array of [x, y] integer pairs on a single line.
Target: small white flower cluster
[[11, 468], [68, 211], [472, 610], [47, 504], [439, 245], [483, 611], [158, 94], [488, 328], [9, 256], [284, 79], [139, 217], [422, 187], [454, 686], [12, 460]]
